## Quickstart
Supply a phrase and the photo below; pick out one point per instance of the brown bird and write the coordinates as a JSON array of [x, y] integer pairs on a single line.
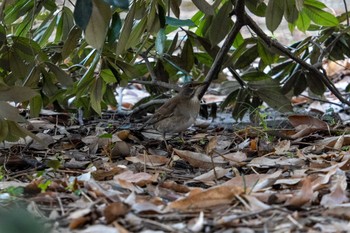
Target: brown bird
[[179, 112]]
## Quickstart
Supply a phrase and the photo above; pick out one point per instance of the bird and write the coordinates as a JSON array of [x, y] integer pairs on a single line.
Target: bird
[[179, 112]]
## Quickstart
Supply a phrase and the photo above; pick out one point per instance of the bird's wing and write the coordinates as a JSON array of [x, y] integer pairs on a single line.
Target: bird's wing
[[165, 111]]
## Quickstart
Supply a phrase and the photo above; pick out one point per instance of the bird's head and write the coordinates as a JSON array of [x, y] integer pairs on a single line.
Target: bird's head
[[190, 90]]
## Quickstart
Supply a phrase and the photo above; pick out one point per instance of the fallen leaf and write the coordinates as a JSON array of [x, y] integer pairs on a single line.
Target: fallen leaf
[[200, 160], [303, 196], [115, 210], [219, 195]]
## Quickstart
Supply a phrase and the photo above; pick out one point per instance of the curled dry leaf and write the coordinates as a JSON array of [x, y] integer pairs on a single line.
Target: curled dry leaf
[[338, 194], [211, 145], [198, 223], [254, 182], [172, 185], [120, 150], [303, 196], [332, 141], [219, 195], [115, 210], [123, 134], [306, 125], [210, 176], [200, 160], [255, 204]]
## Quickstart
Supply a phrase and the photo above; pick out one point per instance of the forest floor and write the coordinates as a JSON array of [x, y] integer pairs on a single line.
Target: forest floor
[[105, 176]]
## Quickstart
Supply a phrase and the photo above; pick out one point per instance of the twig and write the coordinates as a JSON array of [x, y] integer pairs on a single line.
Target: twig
[[347, 13], [320, 100]]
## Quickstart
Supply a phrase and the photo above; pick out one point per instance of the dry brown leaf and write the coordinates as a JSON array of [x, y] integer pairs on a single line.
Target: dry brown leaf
[[219, 195], [339, 144], [331, 141], [120, 150], [123, 134], [311, 122], [282, 147], [210, 176], [115, 210], [211, 145], [200, 160], [236, 158], [303, 196], [141, 179], [338, 193], [172, 185], [254, 182], [306, 125], [149, 160], [282, 161], [255, 204]]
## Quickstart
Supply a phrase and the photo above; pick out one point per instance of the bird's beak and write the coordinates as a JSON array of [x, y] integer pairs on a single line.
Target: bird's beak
[[198, 87]]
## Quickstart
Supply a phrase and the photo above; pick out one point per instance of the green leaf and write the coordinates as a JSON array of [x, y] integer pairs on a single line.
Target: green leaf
[[96, 94], [32, 80], [123, 4], [46, 32], [274, 14], [65, 24], [114, 30], [303, 22], [4, 129], [72, 42], [241, 104], [60, 74], [96, 30], [175, 7], [108, 76], [16, 93], [7, 112], [187, 56], [266, 55], [256, 7], [239, 40], [247, 58], [160, 41], [290, 11], [136, 34], [270, 92], [83, 12], [36, 105], [314, 3], [204, 6], [221, 24], [125, 32], [127, 68], [179, 22], [2, 35], [315, 84], [320, 16]]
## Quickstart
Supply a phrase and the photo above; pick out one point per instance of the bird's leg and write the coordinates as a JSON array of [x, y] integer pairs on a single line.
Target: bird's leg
[[181, 135], [166, 144]]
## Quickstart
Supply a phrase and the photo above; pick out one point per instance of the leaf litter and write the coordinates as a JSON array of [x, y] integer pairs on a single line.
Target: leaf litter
[[98, 178]]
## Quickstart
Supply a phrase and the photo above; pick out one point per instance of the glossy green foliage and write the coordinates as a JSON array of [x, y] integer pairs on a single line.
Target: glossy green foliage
[[56, 52]]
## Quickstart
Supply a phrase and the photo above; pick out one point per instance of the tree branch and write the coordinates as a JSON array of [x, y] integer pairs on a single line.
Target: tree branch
[[312, 69], [217, 64]]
